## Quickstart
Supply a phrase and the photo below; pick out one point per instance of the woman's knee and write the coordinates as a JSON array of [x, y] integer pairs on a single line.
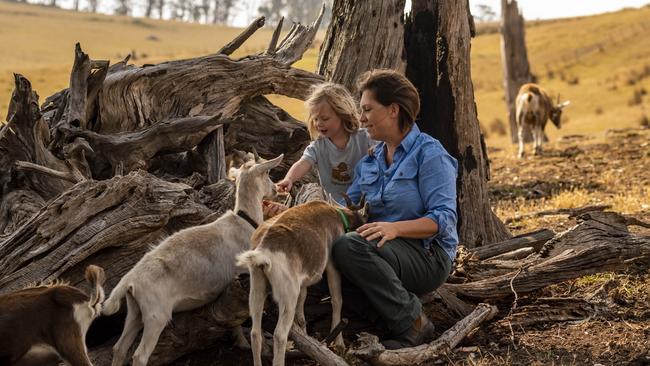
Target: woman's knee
[[349, 247]]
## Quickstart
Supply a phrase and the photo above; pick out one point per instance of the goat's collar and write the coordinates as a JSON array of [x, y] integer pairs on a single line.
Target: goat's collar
[[346, 223], [245, 216]]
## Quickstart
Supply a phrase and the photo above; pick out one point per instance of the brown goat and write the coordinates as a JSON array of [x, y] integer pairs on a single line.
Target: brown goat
[[291, 251], [46, 322], [534, 107]]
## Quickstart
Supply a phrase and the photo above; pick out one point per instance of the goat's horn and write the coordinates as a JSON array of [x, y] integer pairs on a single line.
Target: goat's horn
[[256, 155], [348, 201], [558, 98], [362, 201]]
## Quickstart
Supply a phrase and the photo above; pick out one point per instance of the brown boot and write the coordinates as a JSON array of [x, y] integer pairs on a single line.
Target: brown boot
[[421, 331]]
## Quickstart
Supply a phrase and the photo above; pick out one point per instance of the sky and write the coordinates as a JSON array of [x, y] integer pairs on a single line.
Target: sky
[[547, 9], [532, 9]]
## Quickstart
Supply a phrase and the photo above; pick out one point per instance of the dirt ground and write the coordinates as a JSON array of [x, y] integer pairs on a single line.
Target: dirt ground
[[612, 169]]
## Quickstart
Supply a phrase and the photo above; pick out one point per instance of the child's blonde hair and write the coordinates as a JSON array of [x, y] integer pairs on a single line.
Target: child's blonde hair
[[341, 101]]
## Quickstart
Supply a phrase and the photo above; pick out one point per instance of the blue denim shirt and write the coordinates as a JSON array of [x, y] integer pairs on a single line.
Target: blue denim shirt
[[421, 182]]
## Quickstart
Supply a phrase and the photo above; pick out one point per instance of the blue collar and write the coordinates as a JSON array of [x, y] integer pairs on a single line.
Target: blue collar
[[407, 142]]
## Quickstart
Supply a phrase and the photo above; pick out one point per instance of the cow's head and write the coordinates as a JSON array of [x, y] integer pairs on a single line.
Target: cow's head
[[556, 112]]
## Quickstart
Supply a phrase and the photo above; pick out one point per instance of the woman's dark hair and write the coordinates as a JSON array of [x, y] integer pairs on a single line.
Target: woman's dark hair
[[389, 86]]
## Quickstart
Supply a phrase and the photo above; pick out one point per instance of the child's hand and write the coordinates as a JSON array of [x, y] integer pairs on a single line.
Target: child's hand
[[284, 185], [270, 209]]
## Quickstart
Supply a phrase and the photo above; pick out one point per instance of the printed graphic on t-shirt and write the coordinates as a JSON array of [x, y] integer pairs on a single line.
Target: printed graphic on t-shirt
[[341, 174]]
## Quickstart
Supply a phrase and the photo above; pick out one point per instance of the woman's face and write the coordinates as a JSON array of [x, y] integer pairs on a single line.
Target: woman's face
[[326, 121], [378, 119]]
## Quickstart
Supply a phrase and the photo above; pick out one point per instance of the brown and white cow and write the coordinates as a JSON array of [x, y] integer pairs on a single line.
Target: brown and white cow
[[534, 108]]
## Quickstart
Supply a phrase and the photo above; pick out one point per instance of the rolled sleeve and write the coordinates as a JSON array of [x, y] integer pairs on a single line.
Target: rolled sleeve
[[310, 153], [437, 184]]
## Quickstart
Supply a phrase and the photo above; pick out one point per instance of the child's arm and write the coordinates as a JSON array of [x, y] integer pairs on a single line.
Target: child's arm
[[297, 170]]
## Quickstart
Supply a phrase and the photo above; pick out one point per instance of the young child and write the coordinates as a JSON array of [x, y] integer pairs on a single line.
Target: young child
[[338, 141]]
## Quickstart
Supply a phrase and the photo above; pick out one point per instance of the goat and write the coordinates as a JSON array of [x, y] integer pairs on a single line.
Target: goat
[[50, 321], [533, 108], [291, 251], [190, 268]]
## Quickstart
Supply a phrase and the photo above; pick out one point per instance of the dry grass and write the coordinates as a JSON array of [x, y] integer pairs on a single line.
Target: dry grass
[[602, 52], [38, 42]]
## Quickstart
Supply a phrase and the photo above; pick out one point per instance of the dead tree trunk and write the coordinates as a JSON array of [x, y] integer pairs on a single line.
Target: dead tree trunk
[[362, 35], [437, 42], [73, 188], [514, 58]]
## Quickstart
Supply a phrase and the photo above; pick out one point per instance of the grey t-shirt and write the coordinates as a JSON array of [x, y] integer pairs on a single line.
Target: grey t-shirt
[[336, 166]]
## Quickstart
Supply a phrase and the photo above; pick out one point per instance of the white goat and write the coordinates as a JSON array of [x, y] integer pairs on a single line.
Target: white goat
[[190, 268], [533, 108], [292, 250]]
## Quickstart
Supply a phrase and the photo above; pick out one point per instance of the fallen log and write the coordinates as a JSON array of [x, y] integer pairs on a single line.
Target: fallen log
[[371, 350], [545, 310], [600, 242], [534, 240], [560, 211], [314, 349]]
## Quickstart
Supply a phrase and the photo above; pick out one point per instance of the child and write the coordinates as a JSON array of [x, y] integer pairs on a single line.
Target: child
[[338, 142]]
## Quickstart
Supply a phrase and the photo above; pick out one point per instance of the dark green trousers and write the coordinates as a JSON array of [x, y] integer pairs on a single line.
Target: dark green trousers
[[391, 277]]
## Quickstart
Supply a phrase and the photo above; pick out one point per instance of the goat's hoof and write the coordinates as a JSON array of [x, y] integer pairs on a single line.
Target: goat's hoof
[[339, 345]]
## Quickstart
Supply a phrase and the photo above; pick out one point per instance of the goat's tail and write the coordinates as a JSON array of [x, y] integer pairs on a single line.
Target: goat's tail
[[254, 258], [96, 277], [112, 304]]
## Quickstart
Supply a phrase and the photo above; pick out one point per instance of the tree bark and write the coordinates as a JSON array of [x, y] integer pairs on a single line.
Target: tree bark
[[371, 350], [53, 228], [437, 42], [362, 35], [514, 58]]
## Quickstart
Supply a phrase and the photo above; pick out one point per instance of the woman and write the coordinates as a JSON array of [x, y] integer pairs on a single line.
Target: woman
[[408, 245], [409, 180]]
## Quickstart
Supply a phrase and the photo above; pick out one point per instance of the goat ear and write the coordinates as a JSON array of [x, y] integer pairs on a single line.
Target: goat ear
[[268, 165], [564, 104]]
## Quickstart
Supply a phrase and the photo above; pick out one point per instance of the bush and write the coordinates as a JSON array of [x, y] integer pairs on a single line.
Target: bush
[[573, 80], [599, 110], [497, 126], [644, 121], [637, 98]]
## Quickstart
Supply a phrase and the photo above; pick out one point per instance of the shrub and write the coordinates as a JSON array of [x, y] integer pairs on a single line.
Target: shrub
[[644, 121], [497, 126], [637, 98]]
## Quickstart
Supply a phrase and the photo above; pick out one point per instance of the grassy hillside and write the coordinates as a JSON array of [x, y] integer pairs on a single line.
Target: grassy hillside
[[597, 62], [601, 63], [38, 42]]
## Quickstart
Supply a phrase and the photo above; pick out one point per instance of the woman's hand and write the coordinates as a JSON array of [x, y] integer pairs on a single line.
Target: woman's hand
[[379, 230], [270, 209], [284, 185]]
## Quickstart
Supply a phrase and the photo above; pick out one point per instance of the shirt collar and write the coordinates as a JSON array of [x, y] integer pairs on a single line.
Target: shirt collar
[[406, 144], [409, 140]]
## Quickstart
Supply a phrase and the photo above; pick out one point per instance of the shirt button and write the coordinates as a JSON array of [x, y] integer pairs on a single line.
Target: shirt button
[[401, 173]]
